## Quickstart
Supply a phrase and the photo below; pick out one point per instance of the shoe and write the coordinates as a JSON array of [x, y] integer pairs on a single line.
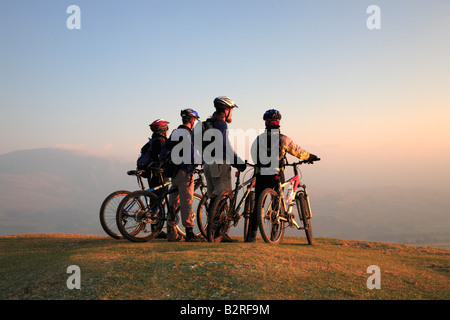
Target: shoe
[[161, 235], [177, 239], [226, 238], [191, 237], [194, 238], [251, 237], [173, 235]]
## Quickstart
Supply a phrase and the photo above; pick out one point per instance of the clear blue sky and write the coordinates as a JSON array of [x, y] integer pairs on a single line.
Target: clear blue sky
[[374, 104]]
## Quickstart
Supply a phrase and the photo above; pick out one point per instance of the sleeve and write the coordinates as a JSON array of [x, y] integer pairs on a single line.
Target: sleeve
[[290, 147]]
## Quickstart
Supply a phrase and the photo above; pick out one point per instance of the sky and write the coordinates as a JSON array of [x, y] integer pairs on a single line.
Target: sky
[[373, 104]]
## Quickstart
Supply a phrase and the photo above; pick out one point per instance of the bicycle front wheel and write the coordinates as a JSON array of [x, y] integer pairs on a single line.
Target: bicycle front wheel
[[268, 213], [218, 222], [200, 206], [108, 212], [304, 209], [248, 210], [140, 216]]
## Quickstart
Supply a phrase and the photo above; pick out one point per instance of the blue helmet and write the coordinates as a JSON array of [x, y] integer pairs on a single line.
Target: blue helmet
[[191, 113], [272, 114]]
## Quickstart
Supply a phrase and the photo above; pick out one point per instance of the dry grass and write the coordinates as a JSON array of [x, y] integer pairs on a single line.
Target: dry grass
[[34, 267]]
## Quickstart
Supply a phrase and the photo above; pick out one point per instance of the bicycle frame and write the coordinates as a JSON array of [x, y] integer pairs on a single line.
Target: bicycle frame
[[238, 187], [288, 206], [198, 183], [295, 182]]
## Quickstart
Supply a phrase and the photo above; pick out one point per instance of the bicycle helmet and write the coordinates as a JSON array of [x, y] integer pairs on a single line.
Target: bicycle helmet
[[272, 115], [159, 125], [222, 103], [191, 113]]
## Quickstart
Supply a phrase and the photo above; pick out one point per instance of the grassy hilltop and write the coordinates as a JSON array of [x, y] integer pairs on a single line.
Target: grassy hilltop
[[35, 267]]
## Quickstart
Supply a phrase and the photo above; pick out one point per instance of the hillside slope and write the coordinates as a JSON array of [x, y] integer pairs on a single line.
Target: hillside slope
[[35, 267]]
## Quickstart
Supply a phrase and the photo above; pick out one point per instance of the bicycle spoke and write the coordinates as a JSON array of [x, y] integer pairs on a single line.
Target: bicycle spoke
[[269, 210], [140, 216]]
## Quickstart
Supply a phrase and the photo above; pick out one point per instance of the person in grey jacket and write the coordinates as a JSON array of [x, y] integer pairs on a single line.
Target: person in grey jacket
[[184, 178]]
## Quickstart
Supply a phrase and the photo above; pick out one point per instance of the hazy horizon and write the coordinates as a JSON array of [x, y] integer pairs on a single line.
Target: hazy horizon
[[53, 190]]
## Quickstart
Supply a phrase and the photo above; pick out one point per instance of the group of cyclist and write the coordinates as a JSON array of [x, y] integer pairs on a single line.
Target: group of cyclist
[[218, 171]]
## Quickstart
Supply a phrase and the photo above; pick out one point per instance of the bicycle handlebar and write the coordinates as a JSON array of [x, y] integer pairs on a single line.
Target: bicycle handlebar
[[250, 164], [286, 164], [301, 162]]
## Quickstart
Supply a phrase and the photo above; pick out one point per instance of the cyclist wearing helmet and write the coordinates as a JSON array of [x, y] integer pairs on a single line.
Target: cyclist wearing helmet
[[184, 178], [154, 145], [275, 144], [218, 171], [159, 128]]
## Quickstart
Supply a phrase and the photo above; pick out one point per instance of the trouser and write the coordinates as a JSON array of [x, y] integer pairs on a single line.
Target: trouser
[[185, 183], [262, 182], [218, 178]]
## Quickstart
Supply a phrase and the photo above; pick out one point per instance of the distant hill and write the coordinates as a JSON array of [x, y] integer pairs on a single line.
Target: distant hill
[[56, 190]]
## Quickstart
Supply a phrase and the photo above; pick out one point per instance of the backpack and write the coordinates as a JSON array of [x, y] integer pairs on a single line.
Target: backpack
[[206, 125], [145, 158], [170, 169]]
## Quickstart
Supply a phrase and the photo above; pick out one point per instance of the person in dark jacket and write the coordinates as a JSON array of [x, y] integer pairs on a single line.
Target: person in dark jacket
[[159, 127], [218, 166]]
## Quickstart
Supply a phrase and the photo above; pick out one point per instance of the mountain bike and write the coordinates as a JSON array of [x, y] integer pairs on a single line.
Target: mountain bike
[[274, 210], [141, 215], [225, 209], [108, 209]]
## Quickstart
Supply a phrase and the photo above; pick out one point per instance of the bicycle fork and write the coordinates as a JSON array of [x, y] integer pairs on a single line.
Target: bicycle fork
[[290, 218]]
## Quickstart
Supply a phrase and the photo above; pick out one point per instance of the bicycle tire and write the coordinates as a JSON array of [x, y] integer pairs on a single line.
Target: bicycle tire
[[197, 198], [140, 216], [248, 210], [303, 208], [202, 215], [218, 222], [108, 211], [270, 226]]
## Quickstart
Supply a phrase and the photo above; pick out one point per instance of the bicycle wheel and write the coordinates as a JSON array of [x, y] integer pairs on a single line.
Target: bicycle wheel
[[140, 216], [249, 206], [199, 205], [202, 214], [218, 222], [268, 213], [108, 212], [303, 208]]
